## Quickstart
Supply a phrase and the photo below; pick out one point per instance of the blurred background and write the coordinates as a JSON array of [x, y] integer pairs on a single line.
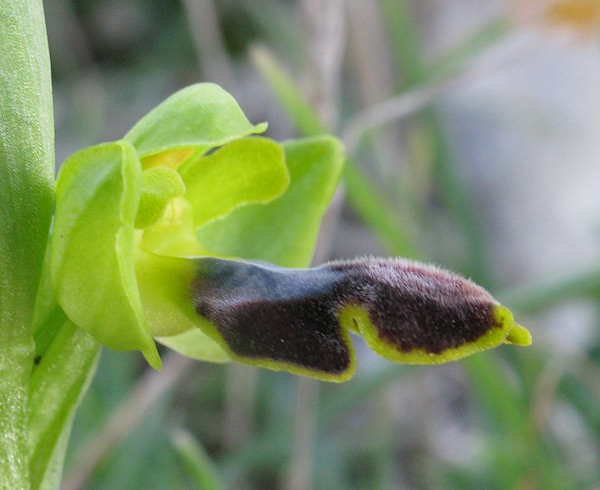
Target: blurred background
[[472, 134]]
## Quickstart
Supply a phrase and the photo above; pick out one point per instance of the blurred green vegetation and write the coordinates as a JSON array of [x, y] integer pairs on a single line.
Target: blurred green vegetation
[[486, 422]]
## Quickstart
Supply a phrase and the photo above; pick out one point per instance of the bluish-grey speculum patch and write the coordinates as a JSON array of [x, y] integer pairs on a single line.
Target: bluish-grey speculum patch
[[268, 312]]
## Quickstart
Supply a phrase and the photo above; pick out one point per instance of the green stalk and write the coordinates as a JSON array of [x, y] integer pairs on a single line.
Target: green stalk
[[26, 199]]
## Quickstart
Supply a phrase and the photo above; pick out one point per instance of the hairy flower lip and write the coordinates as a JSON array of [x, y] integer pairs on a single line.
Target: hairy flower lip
[[406, 311]]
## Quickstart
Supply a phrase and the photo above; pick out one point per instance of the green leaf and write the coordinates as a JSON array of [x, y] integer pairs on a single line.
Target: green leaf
[[93, 271], [57, 386], [64, 364], [195, 119], [46, 306], [248, 170], [26, 201], [159, 186], [283, 231]]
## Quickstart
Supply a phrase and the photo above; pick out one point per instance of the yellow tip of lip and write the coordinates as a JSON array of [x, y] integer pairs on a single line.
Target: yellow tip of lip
[[519, 335]]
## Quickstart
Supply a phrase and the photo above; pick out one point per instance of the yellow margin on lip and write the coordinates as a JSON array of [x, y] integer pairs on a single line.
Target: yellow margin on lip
[[356, 318]]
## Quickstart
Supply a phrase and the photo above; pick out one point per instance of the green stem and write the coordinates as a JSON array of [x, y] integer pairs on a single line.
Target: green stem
[[26, 200]]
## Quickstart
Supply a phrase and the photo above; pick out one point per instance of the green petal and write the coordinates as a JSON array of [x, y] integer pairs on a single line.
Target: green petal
[[283, 231], [193, 120], [248, 170], [93, 272]]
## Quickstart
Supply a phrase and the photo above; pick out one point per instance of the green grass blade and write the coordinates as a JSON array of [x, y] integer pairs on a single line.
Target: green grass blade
[[406, 45], [295, 104], [197, 462], [543, 294], [376, 213], [362, 195]]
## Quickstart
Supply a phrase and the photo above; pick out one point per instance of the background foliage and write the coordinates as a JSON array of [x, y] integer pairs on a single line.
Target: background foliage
[[487, 164]]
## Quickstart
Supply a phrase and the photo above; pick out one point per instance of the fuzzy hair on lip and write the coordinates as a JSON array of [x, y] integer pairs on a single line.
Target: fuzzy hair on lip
[[300, 317]]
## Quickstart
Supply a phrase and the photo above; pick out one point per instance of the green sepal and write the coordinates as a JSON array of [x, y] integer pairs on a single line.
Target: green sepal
[[247, 170], [93, 272], [191, 121], [159, 186], [195, 344], [283, 231]]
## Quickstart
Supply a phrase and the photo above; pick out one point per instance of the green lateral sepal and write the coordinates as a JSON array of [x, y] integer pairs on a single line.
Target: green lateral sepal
[[93, 274]]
